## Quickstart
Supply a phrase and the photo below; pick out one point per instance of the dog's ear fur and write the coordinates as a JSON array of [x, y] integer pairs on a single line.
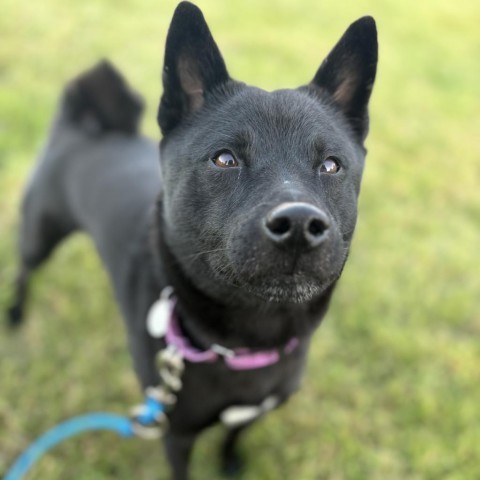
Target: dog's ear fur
[[193, 66], [100, 100], [348, 73]]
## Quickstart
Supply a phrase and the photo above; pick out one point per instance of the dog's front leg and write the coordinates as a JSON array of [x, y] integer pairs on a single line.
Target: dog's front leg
[[232, 462], [178, 448]]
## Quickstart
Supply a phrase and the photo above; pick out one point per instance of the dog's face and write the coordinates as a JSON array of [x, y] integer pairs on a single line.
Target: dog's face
[[260, 188]]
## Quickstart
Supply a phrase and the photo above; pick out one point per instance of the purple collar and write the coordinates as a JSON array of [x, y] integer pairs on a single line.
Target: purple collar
[[238, 359]]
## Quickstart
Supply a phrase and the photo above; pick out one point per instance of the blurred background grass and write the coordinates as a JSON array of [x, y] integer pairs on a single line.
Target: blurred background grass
[[393, 382]]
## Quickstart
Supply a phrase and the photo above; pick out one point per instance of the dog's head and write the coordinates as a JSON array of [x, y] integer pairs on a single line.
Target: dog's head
[[260, 188]]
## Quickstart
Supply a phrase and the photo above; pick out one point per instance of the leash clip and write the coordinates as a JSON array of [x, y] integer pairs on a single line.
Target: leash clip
[[152, 431], [148, 420]]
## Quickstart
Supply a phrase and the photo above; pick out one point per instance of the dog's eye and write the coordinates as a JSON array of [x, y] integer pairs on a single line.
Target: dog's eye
[[330, 165], [225, 159]]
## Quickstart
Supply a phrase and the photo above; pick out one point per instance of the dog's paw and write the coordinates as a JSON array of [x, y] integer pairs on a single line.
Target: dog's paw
[[232, 465], [14, 316]]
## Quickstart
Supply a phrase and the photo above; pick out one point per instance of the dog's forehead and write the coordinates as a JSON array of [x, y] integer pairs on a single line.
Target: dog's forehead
[[283, 105], [284, 115]]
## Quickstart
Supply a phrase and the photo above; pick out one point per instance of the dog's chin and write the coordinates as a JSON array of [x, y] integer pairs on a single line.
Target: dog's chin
[[286, 288], [277, 291]]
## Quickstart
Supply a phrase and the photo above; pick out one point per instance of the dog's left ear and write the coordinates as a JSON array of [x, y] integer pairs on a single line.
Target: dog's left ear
[[348, 73], [193, 66]]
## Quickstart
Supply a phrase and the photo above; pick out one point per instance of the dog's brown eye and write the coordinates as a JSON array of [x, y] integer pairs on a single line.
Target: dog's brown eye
[[225, 160], [330, 165]]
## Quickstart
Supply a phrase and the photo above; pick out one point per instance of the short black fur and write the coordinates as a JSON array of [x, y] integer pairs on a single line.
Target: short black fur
[[209, 231]]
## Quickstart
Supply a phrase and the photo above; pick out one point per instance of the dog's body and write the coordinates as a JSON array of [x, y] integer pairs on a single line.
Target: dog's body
[[251, 222]]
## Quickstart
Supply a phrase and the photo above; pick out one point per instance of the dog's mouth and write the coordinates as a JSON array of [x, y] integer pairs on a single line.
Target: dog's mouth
[[248, 267], [283, 280]]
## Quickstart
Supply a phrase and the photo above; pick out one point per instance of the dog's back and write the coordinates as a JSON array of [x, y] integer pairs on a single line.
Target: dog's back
[[88, 176]]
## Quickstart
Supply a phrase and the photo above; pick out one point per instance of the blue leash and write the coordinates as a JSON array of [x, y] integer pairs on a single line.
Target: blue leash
[[149, 414]]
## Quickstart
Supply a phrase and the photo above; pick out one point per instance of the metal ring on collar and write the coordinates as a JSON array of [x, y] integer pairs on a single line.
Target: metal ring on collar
[[170, 379], [162, 395]]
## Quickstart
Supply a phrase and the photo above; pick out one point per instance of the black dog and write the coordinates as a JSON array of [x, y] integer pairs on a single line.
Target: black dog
[[248, 215]]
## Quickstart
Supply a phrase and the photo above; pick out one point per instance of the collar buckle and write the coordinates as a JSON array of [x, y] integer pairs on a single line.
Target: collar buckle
[[223, 351]]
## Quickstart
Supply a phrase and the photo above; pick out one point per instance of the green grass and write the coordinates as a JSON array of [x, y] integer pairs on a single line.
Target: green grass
[[393, 381]]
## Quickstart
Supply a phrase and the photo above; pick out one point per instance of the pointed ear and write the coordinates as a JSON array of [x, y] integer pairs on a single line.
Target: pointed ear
[[348, 73], [193, 66]]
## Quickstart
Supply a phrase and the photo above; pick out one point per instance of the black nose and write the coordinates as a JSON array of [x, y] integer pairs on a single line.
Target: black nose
[[296, 224]]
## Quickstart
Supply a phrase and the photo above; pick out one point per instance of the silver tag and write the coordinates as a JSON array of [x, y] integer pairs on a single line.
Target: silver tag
[[239, 415], [158, 316], [236, 416]]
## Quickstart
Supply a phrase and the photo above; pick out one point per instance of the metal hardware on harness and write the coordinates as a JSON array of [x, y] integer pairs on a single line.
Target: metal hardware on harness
[[152, 431], [149, 419], [171, 366], [162, 395], [226, 352]]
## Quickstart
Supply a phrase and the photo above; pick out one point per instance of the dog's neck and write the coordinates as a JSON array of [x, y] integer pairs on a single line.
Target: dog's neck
[[256, 325]]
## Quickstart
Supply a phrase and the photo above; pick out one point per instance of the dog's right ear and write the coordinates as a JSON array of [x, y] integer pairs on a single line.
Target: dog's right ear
[[193, 66]]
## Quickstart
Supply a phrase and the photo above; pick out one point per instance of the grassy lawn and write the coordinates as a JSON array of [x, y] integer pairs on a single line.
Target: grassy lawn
[[393, 383]]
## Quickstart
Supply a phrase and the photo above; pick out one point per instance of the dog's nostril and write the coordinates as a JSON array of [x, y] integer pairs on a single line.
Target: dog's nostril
[[279, 226], [317, 227], [296, 224]]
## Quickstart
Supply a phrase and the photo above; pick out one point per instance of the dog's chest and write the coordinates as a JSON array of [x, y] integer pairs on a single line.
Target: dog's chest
[[213, 392], [234, 386]]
